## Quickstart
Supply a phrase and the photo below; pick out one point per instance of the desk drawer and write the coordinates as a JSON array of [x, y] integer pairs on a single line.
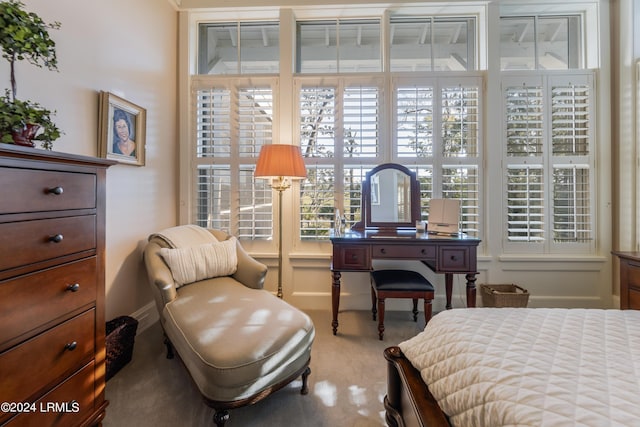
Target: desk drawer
[[455, 259], [28, 242], [32, 190], [41, 361], [29, 301], [351, 257], [403, 252]]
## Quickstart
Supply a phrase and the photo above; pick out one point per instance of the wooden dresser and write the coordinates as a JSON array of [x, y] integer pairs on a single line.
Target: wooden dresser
[[52, 316], [629, 279]]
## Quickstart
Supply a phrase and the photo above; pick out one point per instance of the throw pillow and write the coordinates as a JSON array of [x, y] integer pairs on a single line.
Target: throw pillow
[[195, 263]]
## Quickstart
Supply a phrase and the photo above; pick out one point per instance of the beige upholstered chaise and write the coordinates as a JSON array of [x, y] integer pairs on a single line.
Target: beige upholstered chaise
[[239, 342]]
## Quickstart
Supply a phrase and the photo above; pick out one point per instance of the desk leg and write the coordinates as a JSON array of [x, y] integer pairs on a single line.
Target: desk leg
[[335, 299], [471, 290], [448, 284]]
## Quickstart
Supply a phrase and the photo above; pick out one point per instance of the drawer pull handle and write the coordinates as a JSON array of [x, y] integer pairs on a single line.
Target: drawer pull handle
[[383, 251], [56, 190], [71, 346], [423, 251], [354, 256], [73, 288], [454, 258], [57, 238]]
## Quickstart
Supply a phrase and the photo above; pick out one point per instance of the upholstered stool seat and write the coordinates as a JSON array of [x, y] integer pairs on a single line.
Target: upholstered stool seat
[[399, 284]]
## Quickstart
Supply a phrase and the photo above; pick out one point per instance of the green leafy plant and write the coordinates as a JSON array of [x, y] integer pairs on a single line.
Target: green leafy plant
[[16, 115], [24, 36]]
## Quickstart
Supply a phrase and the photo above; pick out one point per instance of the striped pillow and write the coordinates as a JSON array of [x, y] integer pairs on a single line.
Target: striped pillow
[[195, 263]]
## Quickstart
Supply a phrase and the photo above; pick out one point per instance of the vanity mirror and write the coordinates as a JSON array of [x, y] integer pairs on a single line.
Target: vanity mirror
[[390, 198]]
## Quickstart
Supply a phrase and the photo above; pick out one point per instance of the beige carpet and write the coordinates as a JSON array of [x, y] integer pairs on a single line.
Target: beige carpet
[[346, 387]]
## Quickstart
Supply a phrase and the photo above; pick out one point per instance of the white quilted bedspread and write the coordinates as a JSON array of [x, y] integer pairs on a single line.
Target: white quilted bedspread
[[496, 367]]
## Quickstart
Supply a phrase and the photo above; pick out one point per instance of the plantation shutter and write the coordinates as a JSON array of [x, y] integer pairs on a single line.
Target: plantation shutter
[[317, 200], [213, 122], [317, 121], [353, 177], [233, 122], [460, 120], [339, 124], [360, 121], [414, 121], [572, 162], [525, 203], [524, 120], [549, 158], [463, 183], [460, 124]]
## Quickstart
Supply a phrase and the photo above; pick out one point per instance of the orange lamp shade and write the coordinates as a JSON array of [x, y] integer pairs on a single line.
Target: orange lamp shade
[[280, 160]]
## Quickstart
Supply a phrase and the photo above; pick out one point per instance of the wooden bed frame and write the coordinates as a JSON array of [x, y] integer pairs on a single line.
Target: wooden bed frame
[[408, 401]]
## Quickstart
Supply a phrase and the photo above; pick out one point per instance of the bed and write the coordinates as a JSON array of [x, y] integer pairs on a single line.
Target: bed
[[518, 366]]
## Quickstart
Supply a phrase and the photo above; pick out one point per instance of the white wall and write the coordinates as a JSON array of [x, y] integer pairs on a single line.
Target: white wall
[[127, 48]]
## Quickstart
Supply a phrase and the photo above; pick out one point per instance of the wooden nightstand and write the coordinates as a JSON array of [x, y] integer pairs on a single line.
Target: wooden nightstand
[[629, 279]]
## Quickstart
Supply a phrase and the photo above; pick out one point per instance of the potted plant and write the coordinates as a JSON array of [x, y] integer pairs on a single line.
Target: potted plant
[[24, 36]]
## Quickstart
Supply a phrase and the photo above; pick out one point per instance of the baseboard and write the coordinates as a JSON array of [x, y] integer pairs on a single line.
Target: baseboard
[[146, 316]]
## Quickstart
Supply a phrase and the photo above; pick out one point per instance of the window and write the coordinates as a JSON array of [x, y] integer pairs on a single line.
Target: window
[[432, 44], [403, 85], [437, 135], [438, 128], [239, 48], [338, 46], [234, 120], [541, 43], [549, 162], [340, 138]]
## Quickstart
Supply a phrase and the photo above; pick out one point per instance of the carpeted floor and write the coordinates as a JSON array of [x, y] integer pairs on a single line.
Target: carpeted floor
[[346, 386]]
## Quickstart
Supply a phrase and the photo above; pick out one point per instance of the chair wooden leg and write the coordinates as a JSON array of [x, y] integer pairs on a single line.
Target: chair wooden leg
[[169, 346], [415, 309], [220, 417], [373, 303], [305, 377], [428, 309], [380, 318]]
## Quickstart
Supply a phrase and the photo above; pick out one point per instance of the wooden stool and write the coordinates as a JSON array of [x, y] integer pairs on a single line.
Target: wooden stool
[[399, 284]]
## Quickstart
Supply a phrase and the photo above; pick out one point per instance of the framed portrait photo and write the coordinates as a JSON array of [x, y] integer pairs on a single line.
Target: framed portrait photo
[[122, 130]]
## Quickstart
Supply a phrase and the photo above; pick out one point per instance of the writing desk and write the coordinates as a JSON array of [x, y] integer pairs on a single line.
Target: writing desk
[[355, 250]]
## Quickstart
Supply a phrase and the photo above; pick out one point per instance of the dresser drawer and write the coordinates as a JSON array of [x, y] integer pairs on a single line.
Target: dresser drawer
[[28, 242], [29, 301], [404, 252], [351, 257], [74, 397], [32, 190], [47, 357], [455, 258]]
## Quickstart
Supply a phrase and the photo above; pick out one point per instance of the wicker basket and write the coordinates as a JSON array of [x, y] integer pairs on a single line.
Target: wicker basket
[[121, 333], [504, 296]]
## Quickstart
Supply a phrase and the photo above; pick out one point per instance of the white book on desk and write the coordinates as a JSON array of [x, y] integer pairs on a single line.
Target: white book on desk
[[444, 215]]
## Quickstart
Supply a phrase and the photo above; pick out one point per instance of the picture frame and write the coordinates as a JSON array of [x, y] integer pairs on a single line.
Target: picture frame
[[122, 133]]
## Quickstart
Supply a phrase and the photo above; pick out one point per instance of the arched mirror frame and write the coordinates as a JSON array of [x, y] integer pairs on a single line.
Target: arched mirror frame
[[415, 215]]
